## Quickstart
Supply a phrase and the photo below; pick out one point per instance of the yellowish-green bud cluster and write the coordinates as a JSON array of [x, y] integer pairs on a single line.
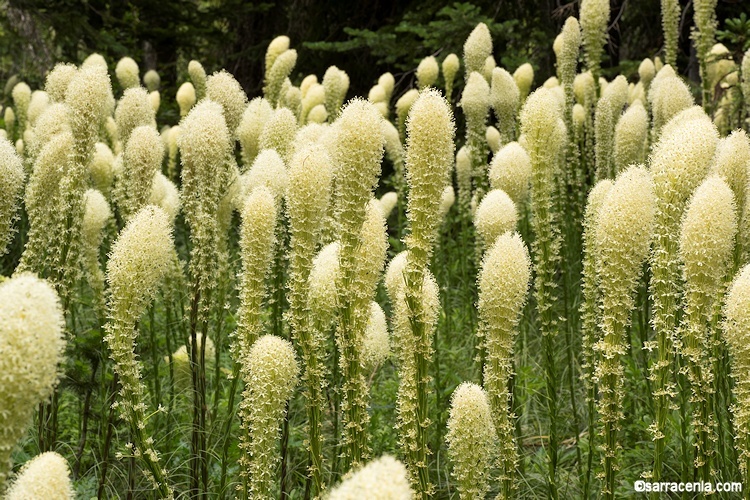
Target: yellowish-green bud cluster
[[471, 440], [101, 168], [253, 121], [127, 73], [21, 99], [152, 80], [451, 65], [95, 217], [427, 72], [403, 105], [524, 77], [198, 77], [185, 98], [336, 83]]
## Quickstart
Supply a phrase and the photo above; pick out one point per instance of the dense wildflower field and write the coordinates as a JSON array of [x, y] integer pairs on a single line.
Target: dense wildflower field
[[477, 285]]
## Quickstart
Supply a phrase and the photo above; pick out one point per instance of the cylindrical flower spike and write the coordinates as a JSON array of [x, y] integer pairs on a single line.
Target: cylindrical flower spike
[[279, 133], [403, 105], [141, 161], [381, 479], [670, 23], [356, 152], [704, 36], [198, 77], [133, 110], [471, 440], [271, 377], [31, 328], [278, 46], [45, 476], [622, 238], [257, 238], [503, 286], [477, 48], [505, 99], [138, 264], [152, 80], [730, 163], [594, 21], [58, 80], [88, 97], [11, 185], [668, 96], [221, 87], [567, 60]]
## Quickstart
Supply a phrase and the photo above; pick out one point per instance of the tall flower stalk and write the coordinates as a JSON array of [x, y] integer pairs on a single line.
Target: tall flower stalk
[[503, 286], [308, 196], [706, 249], [545, 135], [622, 237], [356, 153], [140, 259], [679, 163], [429, 158]]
